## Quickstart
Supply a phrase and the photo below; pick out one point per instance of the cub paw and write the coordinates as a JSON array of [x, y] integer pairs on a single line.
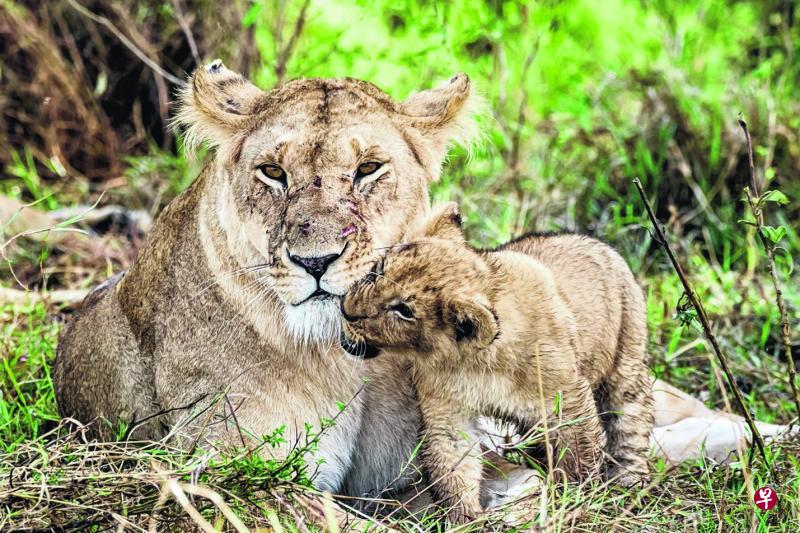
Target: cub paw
[[627, 478], [461, 513]]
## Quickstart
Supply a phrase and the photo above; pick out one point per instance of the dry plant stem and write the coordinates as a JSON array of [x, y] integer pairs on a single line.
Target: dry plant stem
[[187, 31], [285, 53], [155, 67], [60, 296], [701, 314], [752, 199]]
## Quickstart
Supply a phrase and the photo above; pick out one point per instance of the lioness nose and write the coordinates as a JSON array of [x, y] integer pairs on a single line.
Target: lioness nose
[[315, 266]]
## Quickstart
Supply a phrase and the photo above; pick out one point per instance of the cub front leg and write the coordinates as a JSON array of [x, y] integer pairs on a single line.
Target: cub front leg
[[579, 434], [451, 459]]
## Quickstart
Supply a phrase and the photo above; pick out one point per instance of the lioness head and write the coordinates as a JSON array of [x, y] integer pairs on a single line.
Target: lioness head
[[323, 175], [427, 297]]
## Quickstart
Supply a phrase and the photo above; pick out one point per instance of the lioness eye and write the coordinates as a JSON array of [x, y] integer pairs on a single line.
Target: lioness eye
[[402, 311], [365, 169], [273, 172]]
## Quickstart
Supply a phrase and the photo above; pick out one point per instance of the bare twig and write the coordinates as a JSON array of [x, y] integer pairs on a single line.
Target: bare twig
[[235, 420], [703, 317], [521, 116], [179, 489], [61, 296], [191, 510], [769, 247], [161, 412], [285, 53], [155, 67], [130, 28], [187, 31]]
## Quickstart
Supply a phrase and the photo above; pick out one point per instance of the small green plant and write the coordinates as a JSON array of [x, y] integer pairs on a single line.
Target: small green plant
[[30, 183], [770, 239]]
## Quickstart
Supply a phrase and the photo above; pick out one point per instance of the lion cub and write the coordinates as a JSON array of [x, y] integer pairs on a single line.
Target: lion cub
[[544, 328]]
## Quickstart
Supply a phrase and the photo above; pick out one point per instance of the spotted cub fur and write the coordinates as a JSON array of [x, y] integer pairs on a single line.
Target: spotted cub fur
[[546, 328]]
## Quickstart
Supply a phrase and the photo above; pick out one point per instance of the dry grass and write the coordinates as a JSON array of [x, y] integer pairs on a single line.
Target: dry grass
[[61, 481]]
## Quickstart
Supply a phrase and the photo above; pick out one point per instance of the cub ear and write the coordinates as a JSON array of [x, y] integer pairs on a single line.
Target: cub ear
[[444, 223], [215, 104], [443, 116], [474, 322]]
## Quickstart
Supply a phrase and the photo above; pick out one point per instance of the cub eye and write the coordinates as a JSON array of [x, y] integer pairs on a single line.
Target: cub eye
[[273, 172], [373, 273], [365, 169], [402, 311], [376, 270]]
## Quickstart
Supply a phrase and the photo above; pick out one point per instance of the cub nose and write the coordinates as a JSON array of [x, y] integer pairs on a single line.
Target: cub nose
[[315, 266]]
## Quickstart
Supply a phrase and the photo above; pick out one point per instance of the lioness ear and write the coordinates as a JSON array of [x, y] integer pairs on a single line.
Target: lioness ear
[[215, 104], [474, 322], [444, 223], [443, 117]]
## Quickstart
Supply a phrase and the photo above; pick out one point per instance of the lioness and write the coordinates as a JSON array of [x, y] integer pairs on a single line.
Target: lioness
[[236, 289], [502, 334]]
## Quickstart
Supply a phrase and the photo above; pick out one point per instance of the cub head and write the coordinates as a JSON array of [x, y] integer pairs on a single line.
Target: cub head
[[319, 176], [426, 297]]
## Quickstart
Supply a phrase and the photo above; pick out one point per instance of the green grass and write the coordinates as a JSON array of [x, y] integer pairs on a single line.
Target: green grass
[[27, 401], [27, 180]]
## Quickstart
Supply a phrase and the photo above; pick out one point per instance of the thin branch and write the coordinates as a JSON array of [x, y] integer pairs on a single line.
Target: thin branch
[[134, 424], [753, 200], [187, 31], [521, 116], [155, 67], [235, 420], [177, 492], [701, 314], [61, 296], [751, 165], [286, 52]]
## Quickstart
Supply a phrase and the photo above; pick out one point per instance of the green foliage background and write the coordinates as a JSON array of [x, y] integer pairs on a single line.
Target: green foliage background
[[604, 89]]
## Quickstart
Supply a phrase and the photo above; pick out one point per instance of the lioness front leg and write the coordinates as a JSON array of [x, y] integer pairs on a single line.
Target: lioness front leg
[[451, 459], [579, 432]]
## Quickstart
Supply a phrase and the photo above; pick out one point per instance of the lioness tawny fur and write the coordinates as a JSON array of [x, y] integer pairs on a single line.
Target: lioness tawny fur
[[503, 333]]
